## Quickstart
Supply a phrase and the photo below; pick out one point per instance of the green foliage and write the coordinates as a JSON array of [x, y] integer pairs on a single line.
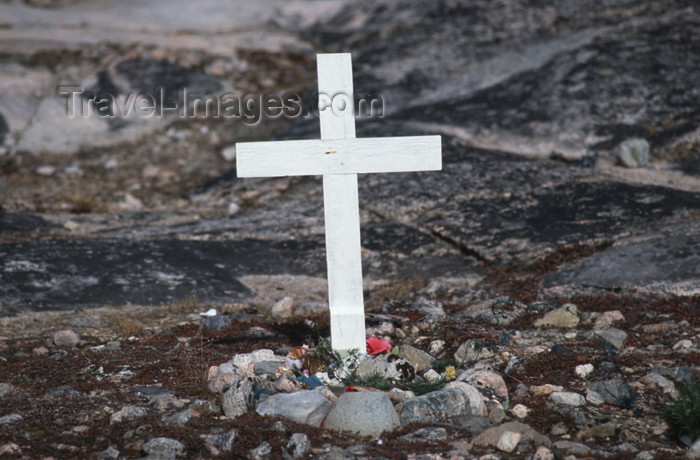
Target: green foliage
[[373, 380], [422, 385], [338, 364], [506, 405], [683, 415], [324, 353]]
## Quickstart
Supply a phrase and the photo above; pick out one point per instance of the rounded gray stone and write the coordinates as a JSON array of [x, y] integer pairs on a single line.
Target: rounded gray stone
[[613, 336], [164, 447], [128, 413], [438, 405], [633, 152], [367, 413], [567, 398], [6, 389], [307, 406], [66, 338]]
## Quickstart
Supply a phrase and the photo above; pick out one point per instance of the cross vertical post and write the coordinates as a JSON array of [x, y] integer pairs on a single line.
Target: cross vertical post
[[341, 207]]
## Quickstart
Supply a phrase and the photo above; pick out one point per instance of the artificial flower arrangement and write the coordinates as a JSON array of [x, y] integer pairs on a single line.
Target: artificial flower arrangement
[[319, 364]]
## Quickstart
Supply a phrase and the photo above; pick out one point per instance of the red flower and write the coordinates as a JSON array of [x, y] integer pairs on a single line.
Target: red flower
[[376, 346], [350, 389]]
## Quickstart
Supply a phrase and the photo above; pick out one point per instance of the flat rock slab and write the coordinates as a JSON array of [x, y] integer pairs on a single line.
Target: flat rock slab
[[505, 209], [57, 274], [669, 265]]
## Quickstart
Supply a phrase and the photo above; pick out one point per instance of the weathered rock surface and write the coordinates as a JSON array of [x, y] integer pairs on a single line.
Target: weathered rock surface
[[238, 399], [652, 263], [306, 406], [566, 316], [439, 405], [63, 273], [164, 448]]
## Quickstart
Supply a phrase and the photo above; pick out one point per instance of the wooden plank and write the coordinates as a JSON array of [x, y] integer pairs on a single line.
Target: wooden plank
[[339, 156], [341, 210], [334, 88]]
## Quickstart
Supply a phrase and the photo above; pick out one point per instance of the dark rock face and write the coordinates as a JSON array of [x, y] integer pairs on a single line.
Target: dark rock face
[[488, 203], [55, 274], [103, 93], [589, 75], [4, 129], [11, 222], [615, 87], [394, 237], [149, 77], [660, 263]]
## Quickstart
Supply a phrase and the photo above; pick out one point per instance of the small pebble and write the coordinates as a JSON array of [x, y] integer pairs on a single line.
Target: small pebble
[[543, 453], [584, 370], [40, 351], [520, 411], [594, 398], [66, 338], [229, 153], [508, 441], [683, 344], [568, 398], [45, 170]]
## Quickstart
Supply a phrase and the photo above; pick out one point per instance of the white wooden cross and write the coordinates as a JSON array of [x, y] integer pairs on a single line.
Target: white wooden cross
[[339, 157]]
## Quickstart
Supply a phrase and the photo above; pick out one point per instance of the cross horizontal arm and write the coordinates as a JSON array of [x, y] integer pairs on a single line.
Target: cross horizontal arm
[[338, 156]]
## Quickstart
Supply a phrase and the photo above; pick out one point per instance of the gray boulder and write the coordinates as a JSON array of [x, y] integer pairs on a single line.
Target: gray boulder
[[633, 153], [388, 366], [298, 445], [306, 406], [439, 405], [614, 391], [416, 356], [367, 413], [238, 399], [612, 336]]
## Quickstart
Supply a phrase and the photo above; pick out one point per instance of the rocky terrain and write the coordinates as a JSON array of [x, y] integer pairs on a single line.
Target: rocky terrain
[[553, 263]]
